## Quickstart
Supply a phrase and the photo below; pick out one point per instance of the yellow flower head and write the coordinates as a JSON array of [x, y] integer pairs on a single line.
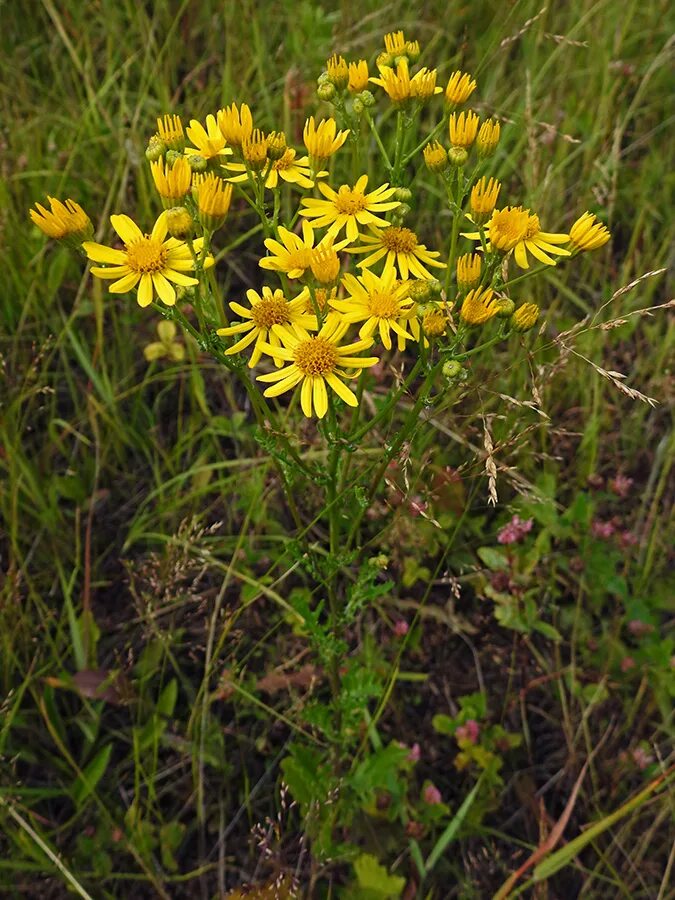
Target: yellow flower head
[[338, 71], [398, 246], [488, 138], [293, 254], [507, 227], [541, 244], [479, 306], [459, 89], [172, 181], [166, 346], [395, 42], [412, 50], [322, 140], [170, 131], [435, 321], [254, 150], [287, 167], [381, 302], [179, 222], [317, 361], [236, 124], [276, 145], [469, 269], [435, 157], [151, 262], [266, 311], [349, 207], [64, 221], [525, 317], [395, 82], [358, 76], [483, 200], [208, 142], [423, 85], [321, 300], [213, 197], [588, 234], [463, 129], [325, 264]]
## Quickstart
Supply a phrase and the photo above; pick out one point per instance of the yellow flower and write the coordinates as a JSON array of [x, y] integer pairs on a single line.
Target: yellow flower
[[479, 306], [423, 85], [540, 244], [395, 42], [463, 129], [294, 254], [316, 361], [322, 140], [150, 261], [338, 72], [266, 311], [165, 346], [236, 124], [170, 130], [488, 138], [349, 207], [484, 196], [506, 228], [525, 317], [254, 150], [213, 197], [290, 169], [208, 142], [400, 247], [179, 222], [435, 321], [381, 302], [358, 76], [396, 83], [322, 299], [172, 181], [276, 145], [65, 221], [459, 89], [435, 157], [468, 271], [588, 234], [325, 264]]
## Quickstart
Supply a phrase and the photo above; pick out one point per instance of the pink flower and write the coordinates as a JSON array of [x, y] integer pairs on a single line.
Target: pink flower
[[415, 753], [601, 529], [469, 731], [515, 530], [401, 628], [627, 539], [621, 485], [639, 629], [627, 663], [641, 758], [431, 794], [417, 506]]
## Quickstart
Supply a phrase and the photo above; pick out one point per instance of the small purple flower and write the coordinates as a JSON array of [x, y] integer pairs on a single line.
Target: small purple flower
[[469, 731], [639, 629], [627, 663], [415, 753], [621, 485], [601, 529], [431, 794], [515, 530]]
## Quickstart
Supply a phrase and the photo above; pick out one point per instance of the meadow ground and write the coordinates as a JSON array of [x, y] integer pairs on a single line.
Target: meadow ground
[[152, 680]]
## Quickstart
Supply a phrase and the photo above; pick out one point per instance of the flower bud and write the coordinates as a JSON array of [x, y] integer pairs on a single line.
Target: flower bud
[[385, 59], [458, 156], [179, 222], [338, 71], [419, 292], [324, 78], [325, 91], [412, 50], [454, 371], [276, 144], [403, 194], [197, 163], [172, 156], [367, 98], [254, 150], [525, 317], [505, 307], [435, 287], [434, 322], [156, 148], [357, 106], [402, 211], [488, 138]]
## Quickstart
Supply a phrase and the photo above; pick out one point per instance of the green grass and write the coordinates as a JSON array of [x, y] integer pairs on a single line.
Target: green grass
[[143, 531]]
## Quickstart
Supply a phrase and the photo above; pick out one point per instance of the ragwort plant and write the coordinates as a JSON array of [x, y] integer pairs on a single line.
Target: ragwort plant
[[348, 281]]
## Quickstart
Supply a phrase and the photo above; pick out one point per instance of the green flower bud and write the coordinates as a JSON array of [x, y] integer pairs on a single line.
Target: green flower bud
[[505, 307], [357, 106], [325, 91], [367, 99], [403, 194], [454, 371], [156, 149], [197, 163], [458, 156]]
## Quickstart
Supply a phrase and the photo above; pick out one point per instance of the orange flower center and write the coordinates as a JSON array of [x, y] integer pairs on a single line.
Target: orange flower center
[[270, 311], [350, 202], [317, 356], [146, 255], [400, 240], [301, 258], [508, 226], [384, 305], [287, 161], [533, 227]]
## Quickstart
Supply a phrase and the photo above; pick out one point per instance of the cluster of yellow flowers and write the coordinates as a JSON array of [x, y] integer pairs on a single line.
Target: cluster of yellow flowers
[[393, 294]]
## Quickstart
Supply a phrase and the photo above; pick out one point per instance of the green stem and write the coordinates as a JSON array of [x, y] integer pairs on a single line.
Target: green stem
[[427, 140], [528, 274], [378, 141]]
